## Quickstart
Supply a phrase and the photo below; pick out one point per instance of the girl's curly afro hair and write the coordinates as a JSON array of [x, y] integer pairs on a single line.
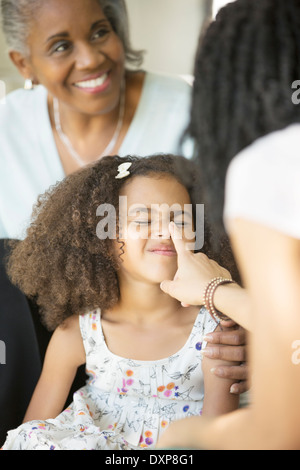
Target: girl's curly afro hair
[[62, 264]]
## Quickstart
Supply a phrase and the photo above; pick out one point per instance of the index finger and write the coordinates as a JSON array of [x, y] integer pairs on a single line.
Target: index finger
[[229, 337], [227, 353], [178, 242]]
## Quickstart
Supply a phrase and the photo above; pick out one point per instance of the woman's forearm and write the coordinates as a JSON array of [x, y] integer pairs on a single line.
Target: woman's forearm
[[233, 301]]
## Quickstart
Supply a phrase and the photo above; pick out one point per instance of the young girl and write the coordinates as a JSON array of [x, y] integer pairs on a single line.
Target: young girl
[[95, 266]]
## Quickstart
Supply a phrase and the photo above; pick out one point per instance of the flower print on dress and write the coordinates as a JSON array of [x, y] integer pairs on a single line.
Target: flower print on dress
[[125, 404], [185, 395], [183, 376], [145, 387], [168, 411]]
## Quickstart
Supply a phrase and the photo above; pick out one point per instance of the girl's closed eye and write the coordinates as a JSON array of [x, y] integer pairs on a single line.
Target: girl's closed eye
[[183, 220], [142, 222], [180, 223]]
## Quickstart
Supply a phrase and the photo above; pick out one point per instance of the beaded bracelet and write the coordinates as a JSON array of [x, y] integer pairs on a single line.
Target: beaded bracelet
[[208, 297]]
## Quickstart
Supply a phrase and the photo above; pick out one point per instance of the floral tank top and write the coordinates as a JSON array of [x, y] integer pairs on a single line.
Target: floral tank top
[[126, 404]]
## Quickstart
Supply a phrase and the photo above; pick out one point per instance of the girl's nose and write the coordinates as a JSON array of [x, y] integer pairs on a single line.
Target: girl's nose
[[160, 228], [88, 57]]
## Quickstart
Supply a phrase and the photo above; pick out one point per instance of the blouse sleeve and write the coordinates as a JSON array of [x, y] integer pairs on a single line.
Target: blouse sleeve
[[263, 183]]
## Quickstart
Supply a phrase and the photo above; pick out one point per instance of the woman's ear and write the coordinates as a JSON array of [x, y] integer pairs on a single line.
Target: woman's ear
[[23, 65]]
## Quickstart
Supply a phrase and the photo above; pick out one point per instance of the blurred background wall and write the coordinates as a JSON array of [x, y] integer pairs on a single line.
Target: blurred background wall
[[167, 29]]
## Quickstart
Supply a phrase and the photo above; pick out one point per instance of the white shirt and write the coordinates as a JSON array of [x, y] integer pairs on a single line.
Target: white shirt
[[29, 161], [263, 182]]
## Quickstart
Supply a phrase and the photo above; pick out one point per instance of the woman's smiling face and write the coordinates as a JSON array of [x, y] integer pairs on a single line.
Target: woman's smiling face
[[76, 55]]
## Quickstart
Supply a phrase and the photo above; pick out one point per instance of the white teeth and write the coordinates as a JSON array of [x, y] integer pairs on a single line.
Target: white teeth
[[92, 83]]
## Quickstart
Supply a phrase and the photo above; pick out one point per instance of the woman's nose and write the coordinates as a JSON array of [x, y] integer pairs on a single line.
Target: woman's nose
[[88, 57]]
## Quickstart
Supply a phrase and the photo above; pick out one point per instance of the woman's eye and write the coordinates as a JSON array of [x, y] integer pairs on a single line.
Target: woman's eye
[[101, 33], [60, 47]]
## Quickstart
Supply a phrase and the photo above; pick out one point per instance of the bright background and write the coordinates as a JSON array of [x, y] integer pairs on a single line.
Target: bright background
[[217, 4]]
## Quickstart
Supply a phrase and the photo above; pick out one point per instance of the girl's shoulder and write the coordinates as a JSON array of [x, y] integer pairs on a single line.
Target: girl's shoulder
[[71, 328], [71, 323], [67, 342]]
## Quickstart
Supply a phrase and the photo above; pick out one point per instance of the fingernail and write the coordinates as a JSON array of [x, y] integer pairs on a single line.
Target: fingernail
[[234, 389], [208, 338], [213, 370], [207, 352], [221, 372]]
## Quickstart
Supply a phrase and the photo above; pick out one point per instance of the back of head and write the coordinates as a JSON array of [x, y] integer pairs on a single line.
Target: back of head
[[245, 66]]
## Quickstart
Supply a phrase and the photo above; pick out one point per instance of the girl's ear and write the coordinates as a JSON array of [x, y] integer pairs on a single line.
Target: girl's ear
[[23, 65]]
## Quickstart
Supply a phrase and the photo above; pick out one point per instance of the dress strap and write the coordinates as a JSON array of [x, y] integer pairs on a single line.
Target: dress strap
[[90, 328], [203, 325]]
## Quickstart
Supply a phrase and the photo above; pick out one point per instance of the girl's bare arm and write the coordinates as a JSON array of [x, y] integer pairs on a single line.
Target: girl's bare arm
[[64, 355]]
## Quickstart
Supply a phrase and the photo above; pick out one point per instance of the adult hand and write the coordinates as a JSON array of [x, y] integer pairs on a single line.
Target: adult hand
[[229, 344], [195, 270]]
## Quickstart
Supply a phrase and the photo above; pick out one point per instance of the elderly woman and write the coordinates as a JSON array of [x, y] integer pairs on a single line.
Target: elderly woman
[[89, 103]]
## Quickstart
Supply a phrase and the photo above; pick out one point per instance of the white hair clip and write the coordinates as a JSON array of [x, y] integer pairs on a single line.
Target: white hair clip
[[123, 170]]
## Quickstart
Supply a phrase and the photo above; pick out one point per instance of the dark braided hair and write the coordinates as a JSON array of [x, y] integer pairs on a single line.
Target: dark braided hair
[[245, 66]]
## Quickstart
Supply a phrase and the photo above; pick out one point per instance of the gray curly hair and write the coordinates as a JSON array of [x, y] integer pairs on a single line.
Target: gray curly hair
[[17, 16]]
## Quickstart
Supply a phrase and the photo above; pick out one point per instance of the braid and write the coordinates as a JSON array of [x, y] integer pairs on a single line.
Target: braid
[[244, 70]]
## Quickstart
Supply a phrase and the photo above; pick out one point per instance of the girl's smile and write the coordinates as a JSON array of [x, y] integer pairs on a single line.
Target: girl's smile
[[163, 250], [149, 254]]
